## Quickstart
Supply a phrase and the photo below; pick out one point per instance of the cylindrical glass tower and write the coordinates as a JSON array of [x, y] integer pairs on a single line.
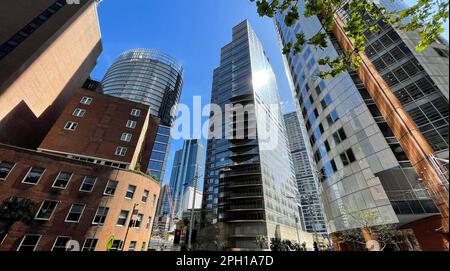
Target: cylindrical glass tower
[[154, 78]]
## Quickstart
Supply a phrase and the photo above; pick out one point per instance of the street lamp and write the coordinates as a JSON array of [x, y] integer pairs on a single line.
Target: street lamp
[[129, 225], [191, 222]]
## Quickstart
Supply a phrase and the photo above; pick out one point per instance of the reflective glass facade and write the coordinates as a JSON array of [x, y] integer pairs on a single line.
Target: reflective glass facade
[[153, 78], [360, 163], [186, 165], [249, 184], [311, 205]]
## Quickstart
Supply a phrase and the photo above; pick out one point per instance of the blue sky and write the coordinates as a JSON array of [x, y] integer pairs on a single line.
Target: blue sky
[[192, 31]]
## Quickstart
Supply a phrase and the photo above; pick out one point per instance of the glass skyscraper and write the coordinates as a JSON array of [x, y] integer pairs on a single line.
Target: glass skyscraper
[[249, 180], [311, 207], [154, 78], [361, 163], [186, 166]]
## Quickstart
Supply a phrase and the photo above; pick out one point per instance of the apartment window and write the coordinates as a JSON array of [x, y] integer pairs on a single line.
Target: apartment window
[[145, 196], [75, 212], [79, 112], [62, 180], [121, 151], [116, 245], [86, 100], [126, 137], [60, 243], [131, 124], [34, 175], [130, 191], [88, 184], [135, 112], [318, 90], [71, 126], [5, 168], [149, 222], [29, 242], [339, 136], [347, 157], [143, 247], [154, 200], [100, 215], [132, 246], [332, 117], [333, 165], [111, 187], [327, 145], [123, 216], [46, 210], [89, 244], [139, 219]]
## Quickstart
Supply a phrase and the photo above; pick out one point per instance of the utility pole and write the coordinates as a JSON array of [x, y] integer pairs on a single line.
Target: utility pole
[[129, 225]]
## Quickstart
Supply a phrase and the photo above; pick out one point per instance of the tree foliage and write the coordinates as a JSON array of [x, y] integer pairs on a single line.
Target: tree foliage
[[14, 210], [426, 17]]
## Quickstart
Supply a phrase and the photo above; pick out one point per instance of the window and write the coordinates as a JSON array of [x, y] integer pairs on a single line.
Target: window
[[139, 219], [121, 151], [327, 145], [110, 189], [132, 246], [79, 112], [131, 124], [130, 191], [34, 175], [116, 246], [154, 200], [60, 243], [100, 215], [339, 136], [126, 137], [145, 196], [135, 112], [88, 184], [123, 216], [333, 165], [347, 157], [143, 248], [62, 180], [149, 222], [46, 210], [75, 212], [29, 242], [86, 100], [89, 244], [5, 169], [71, 126]]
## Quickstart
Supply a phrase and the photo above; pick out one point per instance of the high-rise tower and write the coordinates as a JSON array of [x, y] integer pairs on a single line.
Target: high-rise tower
[[249, 178], [153, 78]]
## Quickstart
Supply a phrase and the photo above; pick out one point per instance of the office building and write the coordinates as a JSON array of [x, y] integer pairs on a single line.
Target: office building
[[249, 181], [374, 141], [186, 167], [311, 206], [47, 50], [152, 78]]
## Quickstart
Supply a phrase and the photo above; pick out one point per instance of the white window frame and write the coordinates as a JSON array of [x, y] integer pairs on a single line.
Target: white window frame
[[23, 239], [115, 189], [121, 151], [96, 213], [62, 188], [69, 126], [131, 124], [61, 236], [4, 179], [135, 245], [81, 214], [126, 137], [126, 218], [28, 172], [93, 185], [135, 112], [134, 192], [86, 100], [85, 241], [79, 113], [147, 196], [40, 208]]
